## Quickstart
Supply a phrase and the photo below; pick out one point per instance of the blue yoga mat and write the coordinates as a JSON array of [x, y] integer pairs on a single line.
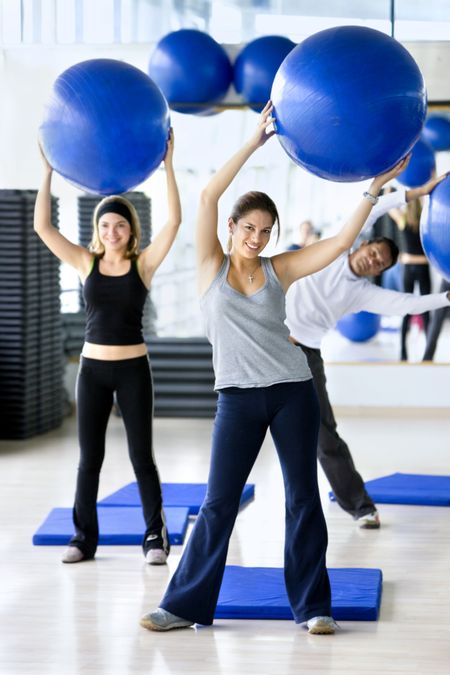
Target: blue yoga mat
[[118, 526], [190, 495], [260, 593], [409, 488]]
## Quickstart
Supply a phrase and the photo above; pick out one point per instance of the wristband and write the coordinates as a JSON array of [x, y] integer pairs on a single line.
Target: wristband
[[373, 200]]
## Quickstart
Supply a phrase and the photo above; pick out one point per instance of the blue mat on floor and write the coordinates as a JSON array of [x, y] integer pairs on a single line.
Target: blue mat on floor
[[260, 593], [118, 526], [409, 488], [190, 495]]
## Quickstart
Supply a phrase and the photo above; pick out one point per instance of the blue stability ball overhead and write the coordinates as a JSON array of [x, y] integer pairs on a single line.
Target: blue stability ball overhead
[[256, 67], [359, 327], [437, 132], [106, 126], [435, 229], [349, 103], [191, 68], [421, 165]]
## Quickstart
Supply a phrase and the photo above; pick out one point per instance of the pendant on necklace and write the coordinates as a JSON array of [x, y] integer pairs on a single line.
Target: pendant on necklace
[[251, 278]]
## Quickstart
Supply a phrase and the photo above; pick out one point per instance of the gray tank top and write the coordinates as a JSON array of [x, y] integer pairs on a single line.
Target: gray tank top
[[248, 334]]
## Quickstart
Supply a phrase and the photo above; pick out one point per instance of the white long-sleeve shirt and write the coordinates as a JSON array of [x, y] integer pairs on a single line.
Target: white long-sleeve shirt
[[316, 302]]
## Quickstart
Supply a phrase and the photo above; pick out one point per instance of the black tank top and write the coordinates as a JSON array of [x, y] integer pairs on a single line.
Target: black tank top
[[114, 307], [410, 241]]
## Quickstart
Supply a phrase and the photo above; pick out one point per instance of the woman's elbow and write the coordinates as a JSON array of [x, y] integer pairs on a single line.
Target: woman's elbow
[[207, 197]]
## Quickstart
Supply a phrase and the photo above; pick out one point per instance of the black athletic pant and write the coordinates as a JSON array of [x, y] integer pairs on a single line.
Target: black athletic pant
[[332, 451], [131, 381], [411, 274], [435, 325]]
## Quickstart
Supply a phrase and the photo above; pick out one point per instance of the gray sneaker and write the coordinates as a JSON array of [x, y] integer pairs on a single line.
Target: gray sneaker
[[72, 554], [162, 620], [321, 625]]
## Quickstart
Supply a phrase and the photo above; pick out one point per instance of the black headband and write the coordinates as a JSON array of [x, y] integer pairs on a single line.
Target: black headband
[[115, 207]]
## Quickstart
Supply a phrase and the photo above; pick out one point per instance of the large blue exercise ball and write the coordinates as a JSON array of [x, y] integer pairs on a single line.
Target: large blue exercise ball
[[256, 66], [192, 70], [359, 327], [421, 167], [437, 132], [435, 229], [349, 103], [105, 127]]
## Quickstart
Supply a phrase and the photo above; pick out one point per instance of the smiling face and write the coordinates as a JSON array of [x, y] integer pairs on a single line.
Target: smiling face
[[114, 232], [370, 259], [251, 233]]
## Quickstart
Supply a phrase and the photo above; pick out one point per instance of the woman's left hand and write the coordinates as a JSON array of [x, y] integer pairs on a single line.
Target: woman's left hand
[[384, 178]]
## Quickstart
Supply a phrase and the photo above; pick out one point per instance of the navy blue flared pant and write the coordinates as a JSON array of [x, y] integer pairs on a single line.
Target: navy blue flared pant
[[291, 411]]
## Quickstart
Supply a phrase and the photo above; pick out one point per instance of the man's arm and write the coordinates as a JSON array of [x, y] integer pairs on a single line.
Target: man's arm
[[371, 298]]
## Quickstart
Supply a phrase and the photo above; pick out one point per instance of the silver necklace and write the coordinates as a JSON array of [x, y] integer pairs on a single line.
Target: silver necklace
[[251, 275]]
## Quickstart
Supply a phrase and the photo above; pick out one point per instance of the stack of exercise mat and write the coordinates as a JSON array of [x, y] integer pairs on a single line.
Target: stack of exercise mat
[[31, 358], [183, 376]]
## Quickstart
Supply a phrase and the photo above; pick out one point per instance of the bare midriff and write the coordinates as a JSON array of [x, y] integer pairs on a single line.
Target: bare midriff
[[412, 259], [113, 352]]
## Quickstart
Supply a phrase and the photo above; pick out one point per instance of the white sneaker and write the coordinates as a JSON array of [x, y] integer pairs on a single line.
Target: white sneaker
[[161, 620], [321, 625], [156, 556], [370, 521], [72, 554]]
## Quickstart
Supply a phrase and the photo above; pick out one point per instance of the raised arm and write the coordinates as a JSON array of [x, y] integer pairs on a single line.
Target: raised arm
[[293, 265], [425, 189], [209, 249], [153, 255], [393, 202], [395, 211], [72, 254]]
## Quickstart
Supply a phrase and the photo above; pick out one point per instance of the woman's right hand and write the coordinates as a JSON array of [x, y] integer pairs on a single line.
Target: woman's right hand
[[47, 166], [261, 134]]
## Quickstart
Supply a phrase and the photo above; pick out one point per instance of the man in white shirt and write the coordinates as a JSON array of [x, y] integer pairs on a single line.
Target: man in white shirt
[[315, 303]]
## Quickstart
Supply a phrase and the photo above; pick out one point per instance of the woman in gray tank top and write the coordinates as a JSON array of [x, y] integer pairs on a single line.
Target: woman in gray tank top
[[264, 383]]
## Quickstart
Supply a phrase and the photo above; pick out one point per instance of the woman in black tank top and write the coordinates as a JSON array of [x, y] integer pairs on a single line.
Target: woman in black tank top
[[116, 276], [416, 269]]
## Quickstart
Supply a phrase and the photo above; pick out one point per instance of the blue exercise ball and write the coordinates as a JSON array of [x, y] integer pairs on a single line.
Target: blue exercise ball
[[359, 327], [349, 103], [437, 132], [192, 70], [435, 229], [421, 167], [256, 67], [105, 127]]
